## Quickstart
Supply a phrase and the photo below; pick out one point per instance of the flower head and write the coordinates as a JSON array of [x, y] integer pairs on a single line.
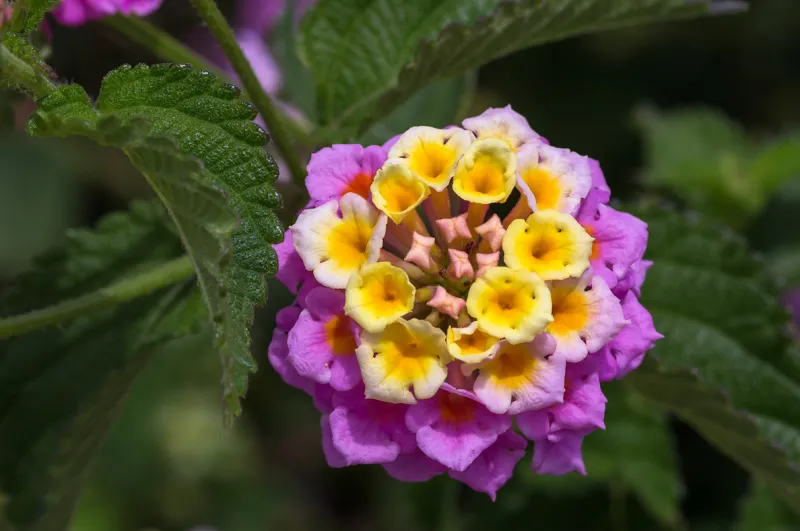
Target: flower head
[[431, 318]]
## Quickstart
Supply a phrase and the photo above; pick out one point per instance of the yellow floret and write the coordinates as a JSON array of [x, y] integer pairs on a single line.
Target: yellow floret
[[551, 244], [471, 344], [396, 191], [406, 355], [431, 153], [486, 173], [378, 295], [513, 304]]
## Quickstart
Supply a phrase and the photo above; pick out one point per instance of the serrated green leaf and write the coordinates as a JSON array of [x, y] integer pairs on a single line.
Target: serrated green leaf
[[724, 327], [60, 387], [30, 70], [636, 450], [210, 123], [29, 14], [366, 55]]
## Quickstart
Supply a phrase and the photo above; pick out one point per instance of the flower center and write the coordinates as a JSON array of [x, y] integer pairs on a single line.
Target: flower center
[[339, 335]]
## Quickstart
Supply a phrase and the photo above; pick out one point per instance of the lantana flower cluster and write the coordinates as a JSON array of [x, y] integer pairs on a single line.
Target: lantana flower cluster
[[461, 292]]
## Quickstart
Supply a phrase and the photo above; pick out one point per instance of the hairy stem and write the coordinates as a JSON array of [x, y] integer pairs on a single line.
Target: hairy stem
[[223, 33], [160, 43], [124, 290], [24, 74]]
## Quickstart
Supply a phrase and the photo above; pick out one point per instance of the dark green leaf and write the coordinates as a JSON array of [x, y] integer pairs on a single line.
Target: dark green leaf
[[724, 326], [762, 511], [366, 56], [31, 70], [711, 164], [60, 387], [28, 14], [210, 123], [636, 451]]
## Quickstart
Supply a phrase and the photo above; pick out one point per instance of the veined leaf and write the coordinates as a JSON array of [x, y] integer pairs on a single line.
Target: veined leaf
[[28, 14], [209, 123], [724, 365], [366, 58], [636, 451], [762, 511], [60, 387]]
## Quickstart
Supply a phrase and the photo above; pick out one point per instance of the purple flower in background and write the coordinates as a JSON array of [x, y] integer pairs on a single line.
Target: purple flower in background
[[78, 12]]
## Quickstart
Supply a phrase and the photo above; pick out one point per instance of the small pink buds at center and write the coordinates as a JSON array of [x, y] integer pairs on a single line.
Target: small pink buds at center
[[486, 261], [446, 303], [492, 232], [420, 252], [460, 266], [452, 228]]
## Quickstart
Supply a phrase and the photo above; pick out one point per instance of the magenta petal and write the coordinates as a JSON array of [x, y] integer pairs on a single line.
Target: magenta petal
[[600, 189], [310, 350], [360, 439], [277, 353], [534, 425], [558, 457], [342, 168], [413, 467], [495, 466], [633, 280], [453, 429], [332, 455], [583, 408], [286, 318], [291, 271], [630, 346], [620, 240]]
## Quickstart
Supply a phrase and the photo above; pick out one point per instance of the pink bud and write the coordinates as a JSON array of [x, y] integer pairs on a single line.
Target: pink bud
[[446, 303], [420, 252], [493, 232]]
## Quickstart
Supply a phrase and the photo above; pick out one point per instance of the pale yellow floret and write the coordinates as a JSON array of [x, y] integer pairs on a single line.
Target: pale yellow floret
[[513, 304], [552, 178], [378, 295], [471, 344], [334, 248], [406, 355], [486, 173], [431, 153], [551, 244], [396, 191]]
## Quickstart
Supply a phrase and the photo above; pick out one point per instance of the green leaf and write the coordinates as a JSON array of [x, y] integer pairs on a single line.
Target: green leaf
[[706, 159], [60, 387], [210, 123], [367, 57], [21, 66], [28, 14], [724, 365], [636, 451], [762, 511]]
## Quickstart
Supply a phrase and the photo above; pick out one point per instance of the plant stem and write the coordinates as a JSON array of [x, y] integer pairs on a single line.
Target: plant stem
[[222, 31], [24, 74], [124, 290], [161, 43]]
